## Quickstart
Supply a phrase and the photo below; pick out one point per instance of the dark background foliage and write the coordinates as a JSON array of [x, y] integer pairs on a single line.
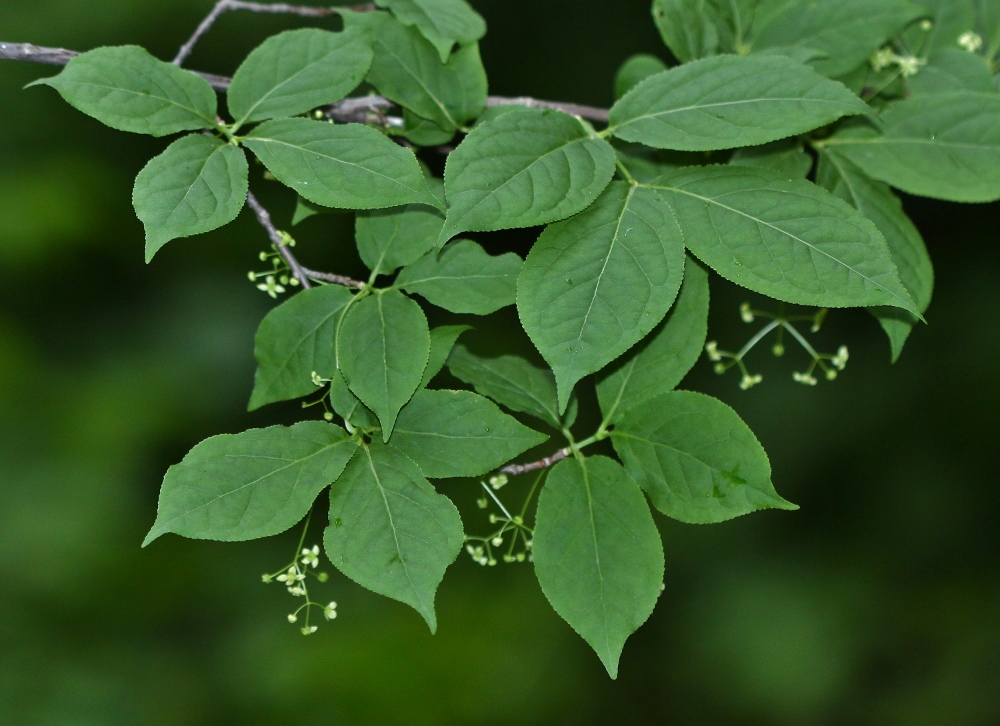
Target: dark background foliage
[[877, 603]]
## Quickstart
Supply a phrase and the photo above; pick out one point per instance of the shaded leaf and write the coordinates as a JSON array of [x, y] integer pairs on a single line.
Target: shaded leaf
[[785, 157], [877, 202], [688, 27], [463, 278], [459, 433], [348, 406], [295, 339], [597, 553], [661, 361], [390, 531], [510, 381], [408, 70], [696, 459], [844, 33], [126, 88], [442, 22], [942, 145], [258, 483], [570, 292], [443, 340], [391, 238], [636, 69]]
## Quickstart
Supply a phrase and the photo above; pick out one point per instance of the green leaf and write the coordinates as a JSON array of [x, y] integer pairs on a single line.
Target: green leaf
[[298, 70], [510, 381], [459, 433], [382, 350], [442, 22], [424, 132], [877, 202], [126, 88], [349, 166], [408, 71], [463, 278], [949, 20], [597, 553], [258, 483], [845, 33], [347, 405], [391, 238], [524, 168], [785, 157], [989, 25], [696, 459], [443, 340], [784, 238], [636, 69], [198, 184], [295, 339], [571, 294], [390, 531], [688, 27], [953, 70], [661, 361], [943, 145], [730, 101]]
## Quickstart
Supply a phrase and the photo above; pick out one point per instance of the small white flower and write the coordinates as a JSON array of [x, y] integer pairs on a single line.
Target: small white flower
[[749, 382], [840, 360], [970, 41], [310, 557], [910, 65], [317, 381], [712, 350], [265, 578], [498, 481], [883, 59], [297, 591], [330, 611], [746, 314], [496, 541], [271, 287], [806, 379], [292, 617], [309, 629]]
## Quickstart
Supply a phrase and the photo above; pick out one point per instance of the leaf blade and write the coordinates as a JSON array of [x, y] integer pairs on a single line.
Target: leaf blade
[[597, 553], [236, 487], [523, 168], [390, 531], [661, 361], [126, 88], [463, 278], [298, 70], [785, 238], [349, 166], [382, 349], [196, 185], [696, 459], [569, 292], [730, 101], [295, 339]]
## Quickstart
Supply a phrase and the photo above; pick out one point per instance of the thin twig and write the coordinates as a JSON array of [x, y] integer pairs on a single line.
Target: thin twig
[[588, 112], [225, 5], [264, 217], [515, 469], [349, 110], [335, 279]]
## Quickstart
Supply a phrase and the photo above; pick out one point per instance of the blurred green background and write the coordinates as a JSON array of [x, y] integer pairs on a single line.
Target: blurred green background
[[877, 603]]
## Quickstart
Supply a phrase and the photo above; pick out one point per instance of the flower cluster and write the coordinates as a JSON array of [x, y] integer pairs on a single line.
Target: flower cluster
[[277, 278], [511, 531], [971, 41], [293, 577], [828, 364]]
